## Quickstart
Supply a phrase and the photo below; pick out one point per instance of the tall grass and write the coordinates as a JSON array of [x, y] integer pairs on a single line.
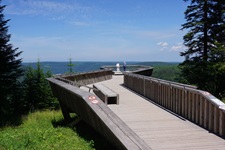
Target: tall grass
[[46, 130]]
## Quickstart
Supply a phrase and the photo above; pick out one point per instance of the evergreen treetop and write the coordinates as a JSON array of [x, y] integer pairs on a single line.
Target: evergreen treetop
[[205, 41], [10, 70]]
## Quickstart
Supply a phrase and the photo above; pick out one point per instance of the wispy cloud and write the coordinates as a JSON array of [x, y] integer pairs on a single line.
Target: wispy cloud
[[163, 45], [80, 23], [46, 8], [156, 34], [179, 47]]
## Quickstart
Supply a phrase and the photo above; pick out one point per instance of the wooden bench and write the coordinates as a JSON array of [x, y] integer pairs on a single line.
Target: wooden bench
[[107, 95]]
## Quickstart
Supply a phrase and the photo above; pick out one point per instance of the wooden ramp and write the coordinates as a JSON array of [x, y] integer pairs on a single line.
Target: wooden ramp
[[159, 128]]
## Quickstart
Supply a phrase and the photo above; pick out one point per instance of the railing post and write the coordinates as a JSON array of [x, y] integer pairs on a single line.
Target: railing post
[[170, 98], [216, 120], [193, 99], [222, 122], [180, 101], [144, 94], [197, 104], [186, 104], [206, 113], [189, 105], [211, 115], [183, 102]]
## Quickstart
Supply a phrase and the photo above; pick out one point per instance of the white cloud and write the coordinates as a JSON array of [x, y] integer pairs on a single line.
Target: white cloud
[[79, 23], [46, 8], [178, 47], [158, 35], [163, 45]]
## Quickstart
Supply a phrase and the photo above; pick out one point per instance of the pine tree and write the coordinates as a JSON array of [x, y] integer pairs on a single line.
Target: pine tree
[[205, 41], [217, 54], [10, 71], [38, 94], [194, 67], [70, 66]]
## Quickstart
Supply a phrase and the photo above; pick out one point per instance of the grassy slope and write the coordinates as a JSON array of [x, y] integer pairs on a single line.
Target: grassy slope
[[45, 130]]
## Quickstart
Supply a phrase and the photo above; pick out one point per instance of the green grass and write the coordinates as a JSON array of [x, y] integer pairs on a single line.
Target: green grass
[[47, 130]]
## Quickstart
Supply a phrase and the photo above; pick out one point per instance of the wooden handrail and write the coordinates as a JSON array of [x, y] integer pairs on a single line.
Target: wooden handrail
[[198, 106], [83, 79], [94, 112]]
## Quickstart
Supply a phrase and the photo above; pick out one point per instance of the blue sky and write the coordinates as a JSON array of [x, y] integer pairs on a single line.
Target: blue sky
[[97, 30]]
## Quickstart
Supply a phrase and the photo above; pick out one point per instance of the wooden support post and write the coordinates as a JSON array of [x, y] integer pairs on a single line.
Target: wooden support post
[[206, 113], [222, 123], [189, 100], [197, 109], [183, 103], [65, 112], [211, 117], [75, 122], [193, 107], [216, 120], [201, 116]]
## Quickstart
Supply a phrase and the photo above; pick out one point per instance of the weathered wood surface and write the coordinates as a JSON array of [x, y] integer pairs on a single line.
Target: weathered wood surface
[[87, 77], [159, 128], [94, 112], [107, 95], [193, 104]]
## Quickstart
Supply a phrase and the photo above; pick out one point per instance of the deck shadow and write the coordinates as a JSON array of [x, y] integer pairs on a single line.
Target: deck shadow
[[86, 132]]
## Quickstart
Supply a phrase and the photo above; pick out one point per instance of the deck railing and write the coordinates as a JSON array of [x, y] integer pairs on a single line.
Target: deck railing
[[94, 112], [82, 79], [198, 106], [136, 69]]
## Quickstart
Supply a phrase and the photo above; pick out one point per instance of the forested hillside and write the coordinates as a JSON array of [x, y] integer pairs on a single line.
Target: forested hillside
[[164, 70], [79, 66]]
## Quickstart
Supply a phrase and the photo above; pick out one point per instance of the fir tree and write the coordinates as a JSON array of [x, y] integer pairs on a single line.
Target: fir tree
[[38, 94], [70, 66], [10, 71], [205, 41], [217, 54]]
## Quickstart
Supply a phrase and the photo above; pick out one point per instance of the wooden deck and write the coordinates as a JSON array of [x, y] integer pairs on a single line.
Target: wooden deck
[[159, 128]]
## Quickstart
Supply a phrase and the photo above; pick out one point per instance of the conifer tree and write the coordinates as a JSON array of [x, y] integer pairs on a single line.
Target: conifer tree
[[205, 41], [217, 54], [10, 71], [70, 66], [38, 94]]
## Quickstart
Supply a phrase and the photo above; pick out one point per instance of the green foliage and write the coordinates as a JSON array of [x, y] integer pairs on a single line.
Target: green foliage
[[37, 132], [216, 80], [166, 72], [37, 92], [47, 130], [10, 73], [205, 42], [199, 26], [70, 66]]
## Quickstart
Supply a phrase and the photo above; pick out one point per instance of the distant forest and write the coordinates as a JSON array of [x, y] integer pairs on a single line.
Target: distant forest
[[163, 70]]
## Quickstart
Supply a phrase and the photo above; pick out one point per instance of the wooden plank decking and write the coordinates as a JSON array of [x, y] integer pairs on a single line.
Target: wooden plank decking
[[159, 128]]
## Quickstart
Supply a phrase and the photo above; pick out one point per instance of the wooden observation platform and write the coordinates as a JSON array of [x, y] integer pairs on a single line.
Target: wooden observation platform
[[151, 114]]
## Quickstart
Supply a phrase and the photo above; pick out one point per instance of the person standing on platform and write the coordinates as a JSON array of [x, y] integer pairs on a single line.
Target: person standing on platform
[[124, 66]]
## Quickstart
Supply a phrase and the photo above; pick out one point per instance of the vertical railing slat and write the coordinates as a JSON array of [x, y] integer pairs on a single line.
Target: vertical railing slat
[[190, 103]]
